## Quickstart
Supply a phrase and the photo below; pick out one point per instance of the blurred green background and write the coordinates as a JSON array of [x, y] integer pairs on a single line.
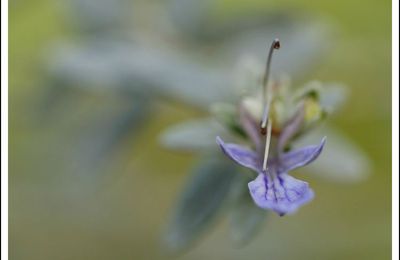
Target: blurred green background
[[66, 205]]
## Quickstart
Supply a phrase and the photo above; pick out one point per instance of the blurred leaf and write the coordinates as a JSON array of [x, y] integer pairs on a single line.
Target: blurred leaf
[[200, 21], [333, 96], [192, 17], [124, 66], [104, 135], [55, 100], [98, 16], [93, 129], [227, 115], [303, 43], [202, 199], [104, 62], [341, 160], [246, 218], [193, 135], [126, 123]]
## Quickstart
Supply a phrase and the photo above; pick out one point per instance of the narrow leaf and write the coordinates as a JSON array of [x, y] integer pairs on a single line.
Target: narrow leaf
[[342, 160], [193, 135], [246, 219], [200, 203]]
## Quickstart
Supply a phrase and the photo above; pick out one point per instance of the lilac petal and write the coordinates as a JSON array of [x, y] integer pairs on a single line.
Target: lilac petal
[[251, 127], [281, 193], [241, 155], [300, 157], [291, 128]]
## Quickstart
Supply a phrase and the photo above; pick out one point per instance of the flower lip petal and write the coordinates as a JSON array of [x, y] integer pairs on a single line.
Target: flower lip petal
[[284, 195], [240, 155], [301, 157]]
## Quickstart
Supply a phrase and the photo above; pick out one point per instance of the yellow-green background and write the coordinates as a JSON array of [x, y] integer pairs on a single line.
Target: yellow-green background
[[123, 219]]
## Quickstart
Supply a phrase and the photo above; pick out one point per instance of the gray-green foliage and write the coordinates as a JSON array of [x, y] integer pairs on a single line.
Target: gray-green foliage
[[202, 199], [246, 219], [110, 56]]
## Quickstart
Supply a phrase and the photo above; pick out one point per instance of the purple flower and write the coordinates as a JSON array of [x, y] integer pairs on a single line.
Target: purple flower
[[274, 188]]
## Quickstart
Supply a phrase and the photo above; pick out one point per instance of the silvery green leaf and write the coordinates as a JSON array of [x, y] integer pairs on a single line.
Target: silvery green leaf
[[122, 65], [55, 100], [192, 17], [250, 32], [302, 44], [119, 65], [333, 96], [94, 65], [120, 126], [193, 135], [246, 219], [202, 199], [102, 133], [100, 16], [106, 61], [342, 160], [227, 115]]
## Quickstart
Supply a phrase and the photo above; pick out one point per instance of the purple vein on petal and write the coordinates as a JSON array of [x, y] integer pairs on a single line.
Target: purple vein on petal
[[283, 194]]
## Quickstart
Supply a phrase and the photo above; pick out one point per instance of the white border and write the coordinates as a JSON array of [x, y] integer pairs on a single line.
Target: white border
[[395, 129], [4, 129]]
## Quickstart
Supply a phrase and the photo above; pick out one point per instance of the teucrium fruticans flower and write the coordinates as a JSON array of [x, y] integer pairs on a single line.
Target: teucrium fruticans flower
[[273, 188]]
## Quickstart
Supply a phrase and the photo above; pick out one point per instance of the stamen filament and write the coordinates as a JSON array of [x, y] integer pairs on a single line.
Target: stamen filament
[[265, 119], [267, 92], [267, 143], [275, 45]]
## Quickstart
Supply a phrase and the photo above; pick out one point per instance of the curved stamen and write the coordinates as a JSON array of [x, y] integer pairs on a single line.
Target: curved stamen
[[267, 93], [275, 45]]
